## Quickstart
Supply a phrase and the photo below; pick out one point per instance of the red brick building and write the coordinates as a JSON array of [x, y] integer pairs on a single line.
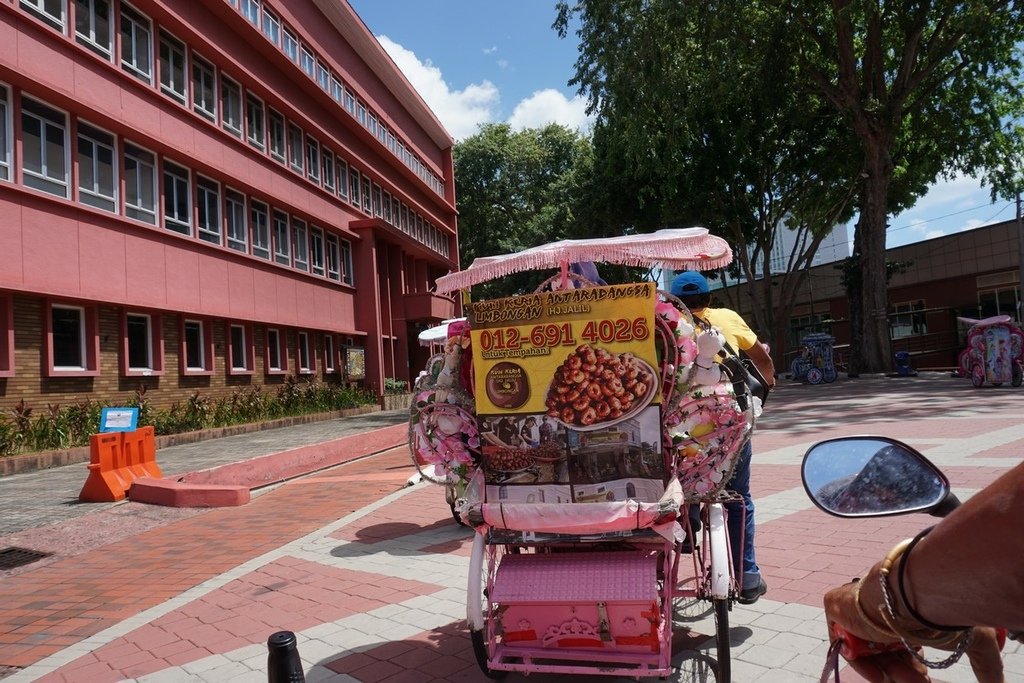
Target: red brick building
[[202, 195]]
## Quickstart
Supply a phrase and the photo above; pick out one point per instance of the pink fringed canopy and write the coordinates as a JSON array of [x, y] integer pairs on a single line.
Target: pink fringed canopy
[[677, 248]]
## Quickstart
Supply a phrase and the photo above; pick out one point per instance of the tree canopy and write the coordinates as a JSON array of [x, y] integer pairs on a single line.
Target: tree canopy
[[746, 115], [517, 190]]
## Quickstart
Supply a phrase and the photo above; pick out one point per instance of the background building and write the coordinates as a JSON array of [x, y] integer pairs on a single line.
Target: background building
[[203, 195]]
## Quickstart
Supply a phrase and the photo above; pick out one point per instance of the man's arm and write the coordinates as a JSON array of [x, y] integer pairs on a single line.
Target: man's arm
[[763, 362]]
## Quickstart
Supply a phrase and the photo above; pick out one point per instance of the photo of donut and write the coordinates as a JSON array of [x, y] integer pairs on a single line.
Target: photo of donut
[[594, 387]]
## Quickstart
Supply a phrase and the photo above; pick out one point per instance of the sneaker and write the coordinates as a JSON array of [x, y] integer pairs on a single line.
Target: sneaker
[[748, 596]]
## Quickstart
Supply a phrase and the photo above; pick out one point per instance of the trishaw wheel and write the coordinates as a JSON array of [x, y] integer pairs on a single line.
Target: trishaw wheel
[[977, 376], [814, 376], [722, 640], [480, 650], [455, 514], [830, 375], [1018, 375]]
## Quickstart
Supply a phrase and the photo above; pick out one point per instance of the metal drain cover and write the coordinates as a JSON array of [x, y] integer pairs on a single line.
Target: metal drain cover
[[12, 557]]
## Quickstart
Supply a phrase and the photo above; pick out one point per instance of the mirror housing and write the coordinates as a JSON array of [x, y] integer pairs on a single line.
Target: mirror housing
[[873, 476]]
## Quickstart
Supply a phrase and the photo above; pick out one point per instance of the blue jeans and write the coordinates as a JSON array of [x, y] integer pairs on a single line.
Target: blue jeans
[[738, 522]]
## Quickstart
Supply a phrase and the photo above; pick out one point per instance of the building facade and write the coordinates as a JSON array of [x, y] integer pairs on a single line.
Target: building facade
[[206, 195]]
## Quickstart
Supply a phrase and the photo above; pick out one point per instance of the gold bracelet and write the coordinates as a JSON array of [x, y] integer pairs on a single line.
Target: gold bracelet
[[881, 628]]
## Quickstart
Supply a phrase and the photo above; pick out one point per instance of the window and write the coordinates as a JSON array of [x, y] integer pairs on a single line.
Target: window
[[260, 230], [136, 44], [50, 11], [231, 105], [305, 360], [307, 61], [405, 219], [354, 186], [177, 199], [139, 184], [278, 150], [342, 179], [313, 159], [240, 350], [204, 88], [282, 239], [5, 134], [330, 360], [350, 103], [44, 148], [366, 195], [271, 27], [142, 350], [372, 125], [295, 151], [391, 142], [208, 200], [908, 319], [251, 11], [333, 258], [323, 76], [998, 301], [276, 361], [172, 67], [97, 174], [300, 246], [328, 168], [378, 201], [196, 347], [361, 114], [387, 208], [92, 26], [70, 340], [337, 90], [255, 123], [291, 45], [347, 276], [316, 250], [236, 223], [6, 335]]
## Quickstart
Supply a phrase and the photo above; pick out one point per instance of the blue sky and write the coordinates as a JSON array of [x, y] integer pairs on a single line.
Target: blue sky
[[484, 61]]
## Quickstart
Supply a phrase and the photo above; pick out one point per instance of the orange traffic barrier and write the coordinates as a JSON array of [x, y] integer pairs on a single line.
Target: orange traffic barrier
[[107, 480], [116, 460], [140, 448]]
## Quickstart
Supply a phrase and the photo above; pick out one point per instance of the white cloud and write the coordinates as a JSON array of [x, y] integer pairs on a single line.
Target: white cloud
[[550, 106], [503, 63], [490, 50], [461, 111]]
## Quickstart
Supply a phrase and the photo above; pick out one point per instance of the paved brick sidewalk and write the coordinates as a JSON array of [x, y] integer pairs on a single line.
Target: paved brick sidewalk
[[371, 574]]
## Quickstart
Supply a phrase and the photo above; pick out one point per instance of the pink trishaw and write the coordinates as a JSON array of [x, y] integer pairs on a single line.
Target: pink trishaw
[[572, 426], [994, 353]]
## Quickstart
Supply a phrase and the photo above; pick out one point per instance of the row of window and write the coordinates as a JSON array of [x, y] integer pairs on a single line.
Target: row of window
[[221, 99], [285, 39], [193, 204], [71, 345]]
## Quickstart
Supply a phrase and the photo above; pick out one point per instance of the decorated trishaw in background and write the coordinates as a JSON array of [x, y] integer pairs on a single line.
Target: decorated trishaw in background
[[570, 426], [994, 353], [815, 363]]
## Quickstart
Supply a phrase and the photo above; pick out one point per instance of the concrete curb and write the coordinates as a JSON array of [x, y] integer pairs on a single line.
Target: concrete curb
[[231, 484]]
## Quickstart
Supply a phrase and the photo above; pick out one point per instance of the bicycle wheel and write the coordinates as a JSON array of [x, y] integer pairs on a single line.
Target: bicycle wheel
[[478, 606], [722, 640]]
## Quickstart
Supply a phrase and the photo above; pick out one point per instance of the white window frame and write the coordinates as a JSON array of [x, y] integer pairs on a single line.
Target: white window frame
[[173, 76], [333, 258], [83, 350], [361, 114], [144, 166], [277, 136], [210, 220], [204, 347], [232, 106], [97, 196], [300, 245], [236, 220], [367, 205], [303, 358], [387, 208], [274, 345], [52, 122], [350, 102], [135, 28], [327, 168], [307, 61], [251, 11], [182, 187], [259, 215], [271, 27], [313, 159], [255, 121], [290, 44], [323, 76], [282, 234], [204, 87], [337, 90], [341, 178], [347, 274], [148, 331], [378, 201], [6, 134], [89, 26], [330, 361], [317, 260], [44, 10], [296, 148], [239, 333], [354, 186]]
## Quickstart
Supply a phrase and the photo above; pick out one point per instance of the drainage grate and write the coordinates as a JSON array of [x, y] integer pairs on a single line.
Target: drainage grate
[[12, 557]]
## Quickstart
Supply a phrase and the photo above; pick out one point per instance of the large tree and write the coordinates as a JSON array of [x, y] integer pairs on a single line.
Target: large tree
[[920, 89], [518, 189]]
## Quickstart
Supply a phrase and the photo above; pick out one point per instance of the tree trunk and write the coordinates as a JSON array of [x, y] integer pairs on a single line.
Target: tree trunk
[[874, 354]]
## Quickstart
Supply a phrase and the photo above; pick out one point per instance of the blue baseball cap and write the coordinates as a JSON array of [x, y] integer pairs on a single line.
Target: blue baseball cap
[[689, 282]]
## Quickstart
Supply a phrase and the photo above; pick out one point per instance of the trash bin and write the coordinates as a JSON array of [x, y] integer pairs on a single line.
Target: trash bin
[[903, 366]]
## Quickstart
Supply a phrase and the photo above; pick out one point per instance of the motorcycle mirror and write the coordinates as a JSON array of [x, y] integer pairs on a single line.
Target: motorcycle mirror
[[869, 476]]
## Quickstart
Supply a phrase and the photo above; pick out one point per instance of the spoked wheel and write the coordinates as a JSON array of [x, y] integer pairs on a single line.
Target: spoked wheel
[[977, 376], [815, 376], [1018, 375], [830, 375], [478, 606], [722, 640], [480, 651]]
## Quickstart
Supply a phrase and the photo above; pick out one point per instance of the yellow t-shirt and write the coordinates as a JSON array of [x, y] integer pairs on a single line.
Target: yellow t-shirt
[[733, 327]]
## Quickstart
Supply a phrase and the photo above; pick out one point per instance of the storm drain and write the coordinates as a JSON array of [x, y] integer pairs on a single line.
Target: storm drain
[[12, 557]]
